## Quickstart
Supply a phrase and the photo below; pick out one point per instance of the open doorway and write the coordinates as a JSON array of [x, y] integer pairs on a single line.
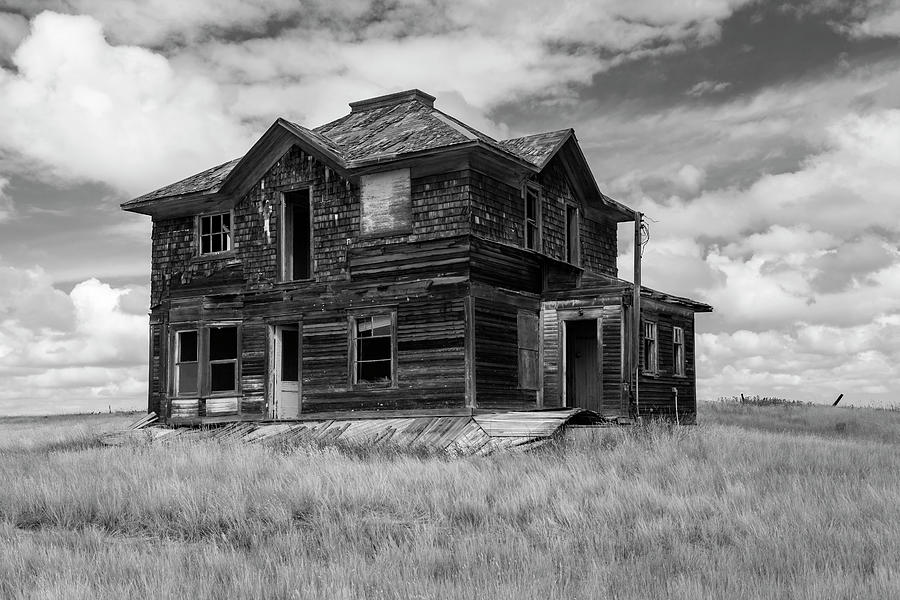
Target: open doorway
[[286, 366], [582, 364]]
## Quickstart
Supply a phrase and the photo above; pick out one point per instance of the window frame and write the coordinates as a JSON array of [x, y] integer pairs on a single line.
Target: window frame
[[649, 327], [573, 247], [284, 263], [535, 222], [177, 362], [352, 359], [679, 352], [203, 362], [209, 362], [535, 383], [228, 235]]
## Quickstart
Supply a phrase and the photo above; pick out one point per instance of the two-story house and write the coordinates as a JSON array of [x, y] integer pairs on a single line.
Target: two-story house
[[398, 261]]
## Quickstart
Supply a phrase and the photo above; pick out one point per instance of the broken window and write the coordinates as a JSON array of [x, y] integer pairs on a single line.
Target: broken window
[[296, 248], [651, 363], [186, 363], [532, 217], [573, 241], [373, 349], [215, 233], [529, 334], [678, 350], [223, 353]]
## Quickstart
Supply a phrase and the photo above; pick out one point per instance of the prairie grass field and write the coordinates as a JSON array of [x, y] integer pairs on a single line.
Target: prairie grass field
[[755, 502]]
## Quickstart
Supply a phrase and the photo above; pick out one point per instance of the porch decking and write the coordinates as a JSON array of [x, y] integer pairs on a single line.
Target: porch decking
[[476, 435]]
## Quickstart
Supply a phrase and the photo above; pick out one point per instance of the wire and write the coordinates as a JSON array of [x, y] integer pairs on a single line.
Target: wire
[[645, 235]]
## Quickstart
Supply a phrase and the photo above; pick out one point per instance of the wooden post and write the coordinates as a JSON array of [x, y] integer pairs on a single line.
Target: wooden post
[[838, 400], [636, 314]]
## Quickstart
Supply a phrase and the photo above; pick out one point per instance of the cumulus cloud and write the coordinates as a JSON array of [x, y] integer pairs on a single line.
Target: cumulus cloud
[[114, 114], [802, 267], [62, 352]]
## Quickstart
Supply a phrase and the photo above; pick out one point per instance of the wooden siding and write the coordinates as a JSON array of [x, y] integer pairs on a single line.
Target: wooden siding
[[497, 350], [657, 400], [609, 311]]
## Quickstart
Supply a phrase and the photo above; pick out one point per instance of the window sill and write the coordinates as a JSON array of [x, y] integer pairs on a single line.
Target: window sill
[[214, 256]]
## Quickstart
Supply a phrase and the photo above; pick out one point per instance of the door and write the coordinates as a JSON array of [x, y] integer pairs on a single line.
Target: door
[[286, 361], [582, 361]]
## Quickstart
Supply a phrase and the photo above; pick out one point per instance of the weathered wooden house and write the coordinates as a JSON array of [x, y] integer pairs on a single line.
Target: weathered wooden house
[[398, 261]]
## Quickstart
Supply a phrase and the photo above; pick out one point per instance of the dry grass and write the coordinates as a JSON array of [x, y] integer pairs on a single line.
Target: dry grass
[[712, 511]]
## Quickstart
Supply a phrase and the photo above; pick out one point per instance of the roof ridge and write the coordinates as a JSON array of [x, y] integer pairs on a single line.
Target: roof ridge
[[391, 99]]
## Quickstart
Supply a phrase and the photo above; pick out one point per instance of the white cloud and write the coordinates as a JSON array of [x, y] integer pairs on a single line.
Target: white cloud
[[115, 114], [62, 352]]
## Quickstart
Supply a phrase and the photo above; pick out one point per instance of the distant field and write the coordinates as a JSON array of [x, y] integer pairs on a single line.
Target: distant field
[[756, 502]]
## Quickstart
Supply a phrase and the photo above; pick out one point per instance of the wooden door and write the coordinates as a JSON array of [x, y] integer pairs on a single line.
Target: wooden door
[[583, 384], [286, 361]]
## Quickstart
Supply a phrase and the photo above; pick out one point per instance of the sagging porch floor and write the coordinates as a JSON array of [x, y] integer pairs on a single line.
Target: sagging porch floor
[[470, 435]]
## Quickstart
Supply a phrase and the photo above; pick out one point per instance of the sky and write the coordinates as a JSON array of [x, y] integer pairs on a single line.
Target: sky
[[761, 139]]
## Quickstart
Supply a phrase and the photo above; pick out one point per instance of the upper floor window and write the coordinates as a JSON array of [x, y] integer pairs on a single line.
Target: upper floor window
[[215, 233], [573, 238], [650, 354], [678, 350], [532, 217], [296, 236]]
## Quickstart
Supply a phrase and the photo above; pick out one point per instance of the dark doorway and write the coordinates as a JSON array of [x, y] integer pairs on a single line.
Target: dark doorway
[[583, 386], [296, 249]]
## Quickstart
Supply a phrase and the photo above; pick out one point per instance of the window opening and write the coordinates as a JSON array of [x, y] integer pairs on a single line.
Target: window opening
[[223, 353], [650, 351], [678, 349], [215, 233], [573, 242], [297, 236], [374, 344], [532, 218], [186, 363]]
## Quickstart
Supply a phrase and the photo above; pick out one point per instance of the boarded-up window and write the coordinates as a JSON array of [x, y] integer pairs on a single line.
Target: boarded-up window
[[386, 203], [678, 349], [650, 354], [529, 350]]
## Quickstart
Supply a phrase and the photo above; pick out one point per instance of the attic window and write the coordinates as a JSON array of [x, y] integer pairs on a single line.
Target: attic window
[[215, 233], [532, 217], [386, 203]]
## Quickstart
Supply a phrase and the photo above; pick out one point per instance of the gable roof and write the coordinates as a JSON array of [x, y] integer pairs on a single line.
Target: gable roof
[[539, 148], [377, 130]]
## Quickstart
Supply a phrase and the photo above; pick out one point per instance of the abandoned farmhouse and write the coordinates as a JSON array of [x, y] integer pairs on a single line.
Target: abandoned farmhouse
[[398, 262]]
